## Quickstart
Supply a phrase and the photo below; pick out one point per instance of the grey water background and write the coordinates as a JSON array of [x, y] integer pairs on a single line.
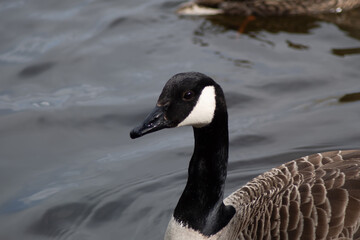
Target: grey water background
[[76, 76]]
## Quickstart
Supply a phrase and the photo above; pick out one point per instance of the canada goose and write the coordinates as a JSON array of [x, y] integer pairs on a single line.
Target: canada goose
[[313, 197], [265, 7]]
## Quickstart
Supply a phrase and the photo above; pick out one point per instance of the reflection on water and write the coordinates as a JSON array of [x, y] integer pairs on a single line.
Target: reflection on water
[[118, 21], [348, 21], [294, 85], [76, 76], [346, 51], [59, 220], [350, 97], [36, 69], [297, 46], [294, 24]]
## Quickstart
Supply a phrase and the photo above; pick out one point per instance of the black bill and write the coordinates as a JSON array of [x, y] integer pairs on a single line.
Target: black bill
[[154, 121]]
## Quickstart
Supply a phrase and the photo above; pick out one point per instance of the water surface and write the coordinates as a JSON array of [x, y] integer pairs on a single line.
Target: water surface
[[77, 76]]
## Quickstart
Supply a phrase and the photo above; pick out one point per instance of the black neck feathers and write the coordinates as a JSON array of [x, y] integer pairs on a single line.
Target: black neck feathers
[[201, 204]]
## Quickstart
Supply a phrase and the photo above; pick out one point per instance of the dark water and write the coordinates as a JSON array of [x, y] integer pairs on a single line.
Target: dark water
[[76, 76]]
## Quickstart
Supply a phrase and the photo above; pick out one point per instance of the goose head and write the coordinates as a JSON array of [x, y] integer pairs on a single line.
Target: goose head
[[187, 99], [194, 99]]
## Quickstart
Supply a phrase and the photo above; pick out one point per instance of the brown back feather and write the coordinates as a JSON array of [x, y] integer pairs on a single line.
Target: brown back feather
[[314, 197]]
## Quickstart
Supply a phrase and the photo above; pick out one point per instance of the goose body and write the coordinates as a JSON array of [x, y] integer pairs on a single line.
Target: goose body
[[313, 197], [265, 7]]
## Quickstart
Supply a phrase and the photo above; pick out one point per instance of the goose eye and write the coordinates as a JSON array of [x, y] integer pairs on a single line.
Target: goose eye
[[188, 95]]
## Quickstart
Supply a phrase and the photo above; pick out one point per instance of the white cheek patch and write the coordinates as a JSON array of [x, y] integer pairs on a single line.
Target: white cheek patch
[[203, 112]]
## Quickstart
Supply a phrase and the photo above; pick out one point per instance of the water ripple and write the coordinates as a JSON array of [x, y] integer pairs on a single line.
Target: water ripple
[[61, 98]]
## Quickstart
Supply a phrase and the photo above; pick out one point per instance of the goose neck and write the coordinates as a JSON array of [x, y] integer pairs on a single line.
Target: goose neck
[[200, 206]]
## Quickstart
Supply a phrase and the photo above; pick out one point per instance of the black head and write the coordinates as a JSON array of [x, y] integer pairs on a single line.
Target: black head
[[186, 99]]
